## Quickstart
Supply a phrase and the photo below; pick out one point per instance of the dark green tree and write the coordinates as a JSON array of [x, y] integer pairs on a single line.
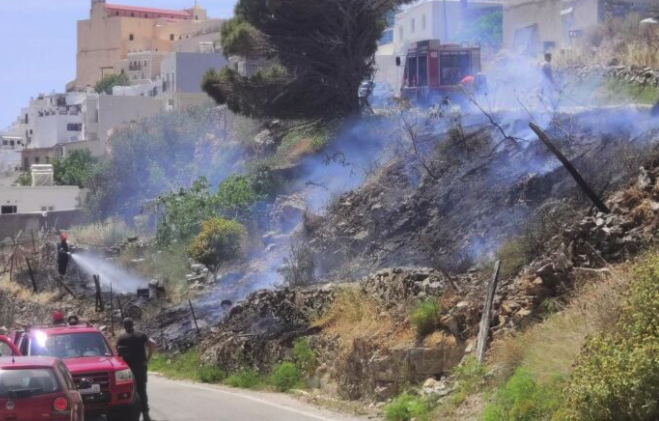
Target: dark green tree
[[319, 50], [108, 82], [76, 169]]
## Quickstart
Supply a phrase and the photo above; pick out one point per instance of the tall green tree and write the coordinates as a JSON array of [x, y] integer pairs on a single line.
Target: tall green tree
[[76, 169], [319, 50]]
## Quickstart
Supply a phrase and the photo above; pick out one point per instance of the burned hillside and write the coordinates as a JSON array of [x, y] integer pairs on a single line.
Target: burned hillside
[[474, 190]]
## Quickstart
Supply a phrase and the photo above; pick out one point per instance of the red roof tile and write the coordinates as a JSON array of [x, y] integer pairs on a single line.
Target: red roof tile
[[166, 12]]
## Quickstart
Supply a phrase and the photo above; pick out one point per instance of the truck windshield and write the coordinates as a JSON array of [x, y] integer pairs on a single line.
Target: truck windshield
[[29, 382], [72, 345]]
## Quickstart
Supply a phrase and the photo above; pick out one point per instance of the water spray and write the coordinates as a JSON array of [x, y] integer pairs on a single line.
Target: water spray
[[110, 274]]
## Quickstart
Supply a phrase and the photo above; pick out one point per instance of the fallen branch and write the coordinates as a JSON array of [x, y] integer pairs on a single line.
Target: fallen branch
[[487, 313], [599, 204]]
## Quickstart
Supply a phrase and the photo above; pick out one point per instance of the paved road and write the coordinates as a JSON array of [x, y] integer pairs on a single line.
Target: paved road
[[182, 401]]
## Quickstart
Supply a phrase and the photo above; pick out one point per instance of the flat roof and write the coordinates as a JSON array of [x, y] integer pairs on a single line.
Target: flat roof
[[179, 13]]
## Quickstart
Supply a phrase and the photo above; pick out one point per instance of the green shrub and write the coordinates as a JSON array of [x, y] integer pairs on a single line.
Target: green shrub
[[209, 374], [245, 379], [469, 378], [617, 375], [182, 366], [425, 316], [304, 357], [514, 256], [220, 242], [406, 408], [285, 377], [523, 399], [235, 195]]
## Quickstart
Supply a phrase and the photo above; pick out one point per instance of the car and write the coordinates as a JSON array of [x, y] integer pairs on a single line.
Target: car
[[38, 388], [89, 356]]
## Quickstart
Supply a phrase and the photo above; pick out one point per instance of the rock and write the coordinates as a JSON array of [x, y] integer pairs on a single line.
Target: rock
[[644, 181]]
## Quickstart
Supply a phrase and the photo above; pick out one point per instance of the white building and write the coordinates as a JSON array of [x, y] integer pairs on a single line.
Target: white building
[[41, 197], [183, 73]]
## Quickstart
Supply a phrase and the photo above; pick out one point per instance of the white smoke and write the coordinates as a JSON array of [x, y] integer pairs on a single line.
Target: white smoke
[[110, 274]]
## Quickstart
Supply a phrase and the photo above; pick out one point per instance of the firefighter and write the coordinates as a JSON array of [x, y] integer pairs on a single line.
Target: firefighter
[[136, 348], [547, 71], [63, 255]]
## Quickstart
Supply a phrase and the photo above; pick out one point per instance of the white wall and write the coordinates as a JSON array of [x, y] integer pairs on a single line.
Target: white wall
[[36, 199]]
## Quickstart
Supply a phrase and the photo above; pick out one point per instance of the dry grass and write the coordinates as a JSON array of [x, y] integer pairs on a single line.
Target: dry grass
[[12, 295], [101, 234], [549, 349], [354, 315]]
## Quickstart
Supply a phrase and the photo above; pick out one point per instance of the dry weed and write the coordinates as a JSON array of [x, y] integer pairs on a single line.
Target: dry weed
[[550, 348], [101, 234], [354, 315]]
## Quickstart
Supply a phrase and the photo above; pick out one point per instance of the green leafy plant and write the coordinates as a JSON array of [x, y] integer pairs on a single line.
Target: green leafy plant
[[425, 316], [285, 377], [220, 242], [76, 169], [617, 375], [244, 379], [523, 399], [24, 179], [210, 374], [407, 407], [108, 82], [468, 376], [304, 357]]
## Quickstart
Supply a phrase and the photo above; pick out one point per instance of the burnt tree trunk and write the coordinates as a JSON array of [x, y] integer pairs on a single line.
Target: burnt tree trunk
[[573, 171]]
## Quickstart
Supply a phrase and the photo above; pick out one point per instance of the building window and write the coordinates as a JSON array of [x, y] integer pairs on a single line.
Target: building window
[[44, 208], [423, 23], [47, 160], [6, 210], [196, 17], [132, 14], [413, 25], [36, 160], [171, 37], [74, 127], [131, 37]]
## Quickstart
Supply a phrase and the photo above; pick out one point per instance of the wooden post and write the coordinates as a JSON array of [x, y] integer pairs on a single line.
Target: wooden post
[[194, 317], [573, 171], [121, 308], [34, 246], [487, 313], [29, 267], [99, 297]]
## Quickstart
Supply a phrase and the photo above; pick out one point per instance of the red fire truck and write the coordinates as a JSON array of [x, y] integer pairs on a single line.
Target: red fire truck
[[436, 71]]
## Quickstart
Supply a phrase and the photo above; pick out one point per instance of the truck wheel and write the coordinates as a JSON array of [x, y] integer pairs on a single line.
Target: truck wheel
[[131, 412]]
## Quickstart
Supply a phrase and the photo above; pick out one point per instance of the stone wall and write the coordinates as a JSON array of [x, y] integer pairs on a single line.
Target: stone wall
[[12, 224]]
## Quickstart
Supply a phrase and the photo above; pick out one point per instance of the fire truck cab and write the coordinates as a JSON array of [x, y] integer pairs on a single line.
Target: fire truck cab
[[435, 71]]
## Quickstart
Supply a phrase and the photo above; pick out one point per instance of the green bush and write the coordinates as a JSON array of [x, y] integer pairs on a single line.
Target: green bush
[[304, 357], [523, 399], [245, 379], [406, 408], [182, 366], [220, 242], [209, 374], [285, 377], [617, 375], [425, 316], [235, 195], [469, 378]]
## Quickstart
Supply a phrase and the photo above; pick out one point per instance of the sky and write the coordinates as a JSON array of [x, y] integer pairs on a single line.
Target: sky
[[38, 44]]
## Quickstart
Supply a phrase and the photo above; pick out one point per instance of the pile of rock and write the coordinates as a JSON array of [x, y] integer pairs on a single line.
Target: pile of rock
[[637, 75]]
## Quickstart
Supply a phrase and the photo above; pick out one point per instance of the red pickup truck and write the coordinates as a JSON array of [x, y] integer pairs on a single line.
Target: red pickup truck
[[92, 361]]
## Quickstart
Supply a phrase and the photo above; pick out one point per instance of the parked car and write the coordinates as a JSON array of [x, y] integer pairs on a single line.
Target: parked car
[[378, 94], [89, 356], [38, 388]]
